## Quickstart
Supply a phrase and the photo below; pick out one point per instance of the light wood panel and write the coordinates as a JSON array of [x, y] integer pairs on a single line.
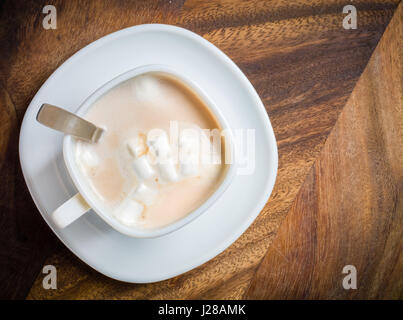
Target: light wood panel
[[349, 210]]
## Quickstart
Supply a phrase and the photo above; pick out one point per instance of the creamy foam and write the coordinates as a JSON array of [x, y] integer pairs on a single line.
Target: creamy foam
[[140, 173]]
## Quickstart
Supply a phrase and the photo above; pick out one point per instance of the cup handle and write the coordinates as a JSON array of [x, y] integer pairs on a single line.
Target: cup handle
[[70, 211]]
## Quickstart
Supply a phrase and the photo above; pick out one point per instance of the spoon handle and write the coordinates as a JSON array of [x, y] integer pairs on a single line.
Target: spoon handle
[[67, 122]]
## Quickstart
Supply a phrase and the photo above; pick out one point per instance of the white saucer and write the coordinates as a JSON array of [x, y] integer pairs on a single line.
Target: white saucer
[[90, 238]]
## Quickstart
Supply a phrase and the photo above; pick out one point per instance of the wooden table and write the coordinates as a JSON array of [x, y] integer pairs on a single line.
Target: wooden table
[[337, 198]]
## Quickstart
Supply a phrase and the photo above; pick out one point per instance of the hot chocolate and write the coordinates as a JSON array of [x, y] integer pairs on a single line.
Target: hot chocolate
[[156, 162]]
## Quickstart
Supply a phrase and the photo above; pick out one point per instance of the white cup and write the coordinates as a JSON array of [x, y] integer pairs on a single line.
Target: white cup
[[85, 199]]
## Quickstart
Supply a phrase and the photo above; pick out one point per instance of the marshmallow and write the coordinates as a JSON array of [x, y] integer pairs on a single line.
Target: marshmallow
[[188, 162], [129, 213], [137, 146], [189, 153], [168, 171], [145, 88], [142, 168], [145, 194], [89, 159], [158, 142], [189, 169]]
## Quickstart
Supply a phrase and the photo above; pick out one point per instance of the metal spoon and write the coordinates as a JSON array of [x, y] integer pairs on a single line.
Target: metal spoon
[[67, 122]]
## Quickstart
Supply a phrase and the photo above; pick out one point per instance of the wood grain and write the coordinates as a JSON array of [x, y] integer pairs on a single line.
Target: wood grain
[[349, 210], [301, 61]]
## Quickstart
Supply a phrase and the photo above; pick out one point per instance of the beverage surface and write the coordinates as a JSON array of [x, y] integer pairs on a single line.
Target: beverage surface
[[155, 163]]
